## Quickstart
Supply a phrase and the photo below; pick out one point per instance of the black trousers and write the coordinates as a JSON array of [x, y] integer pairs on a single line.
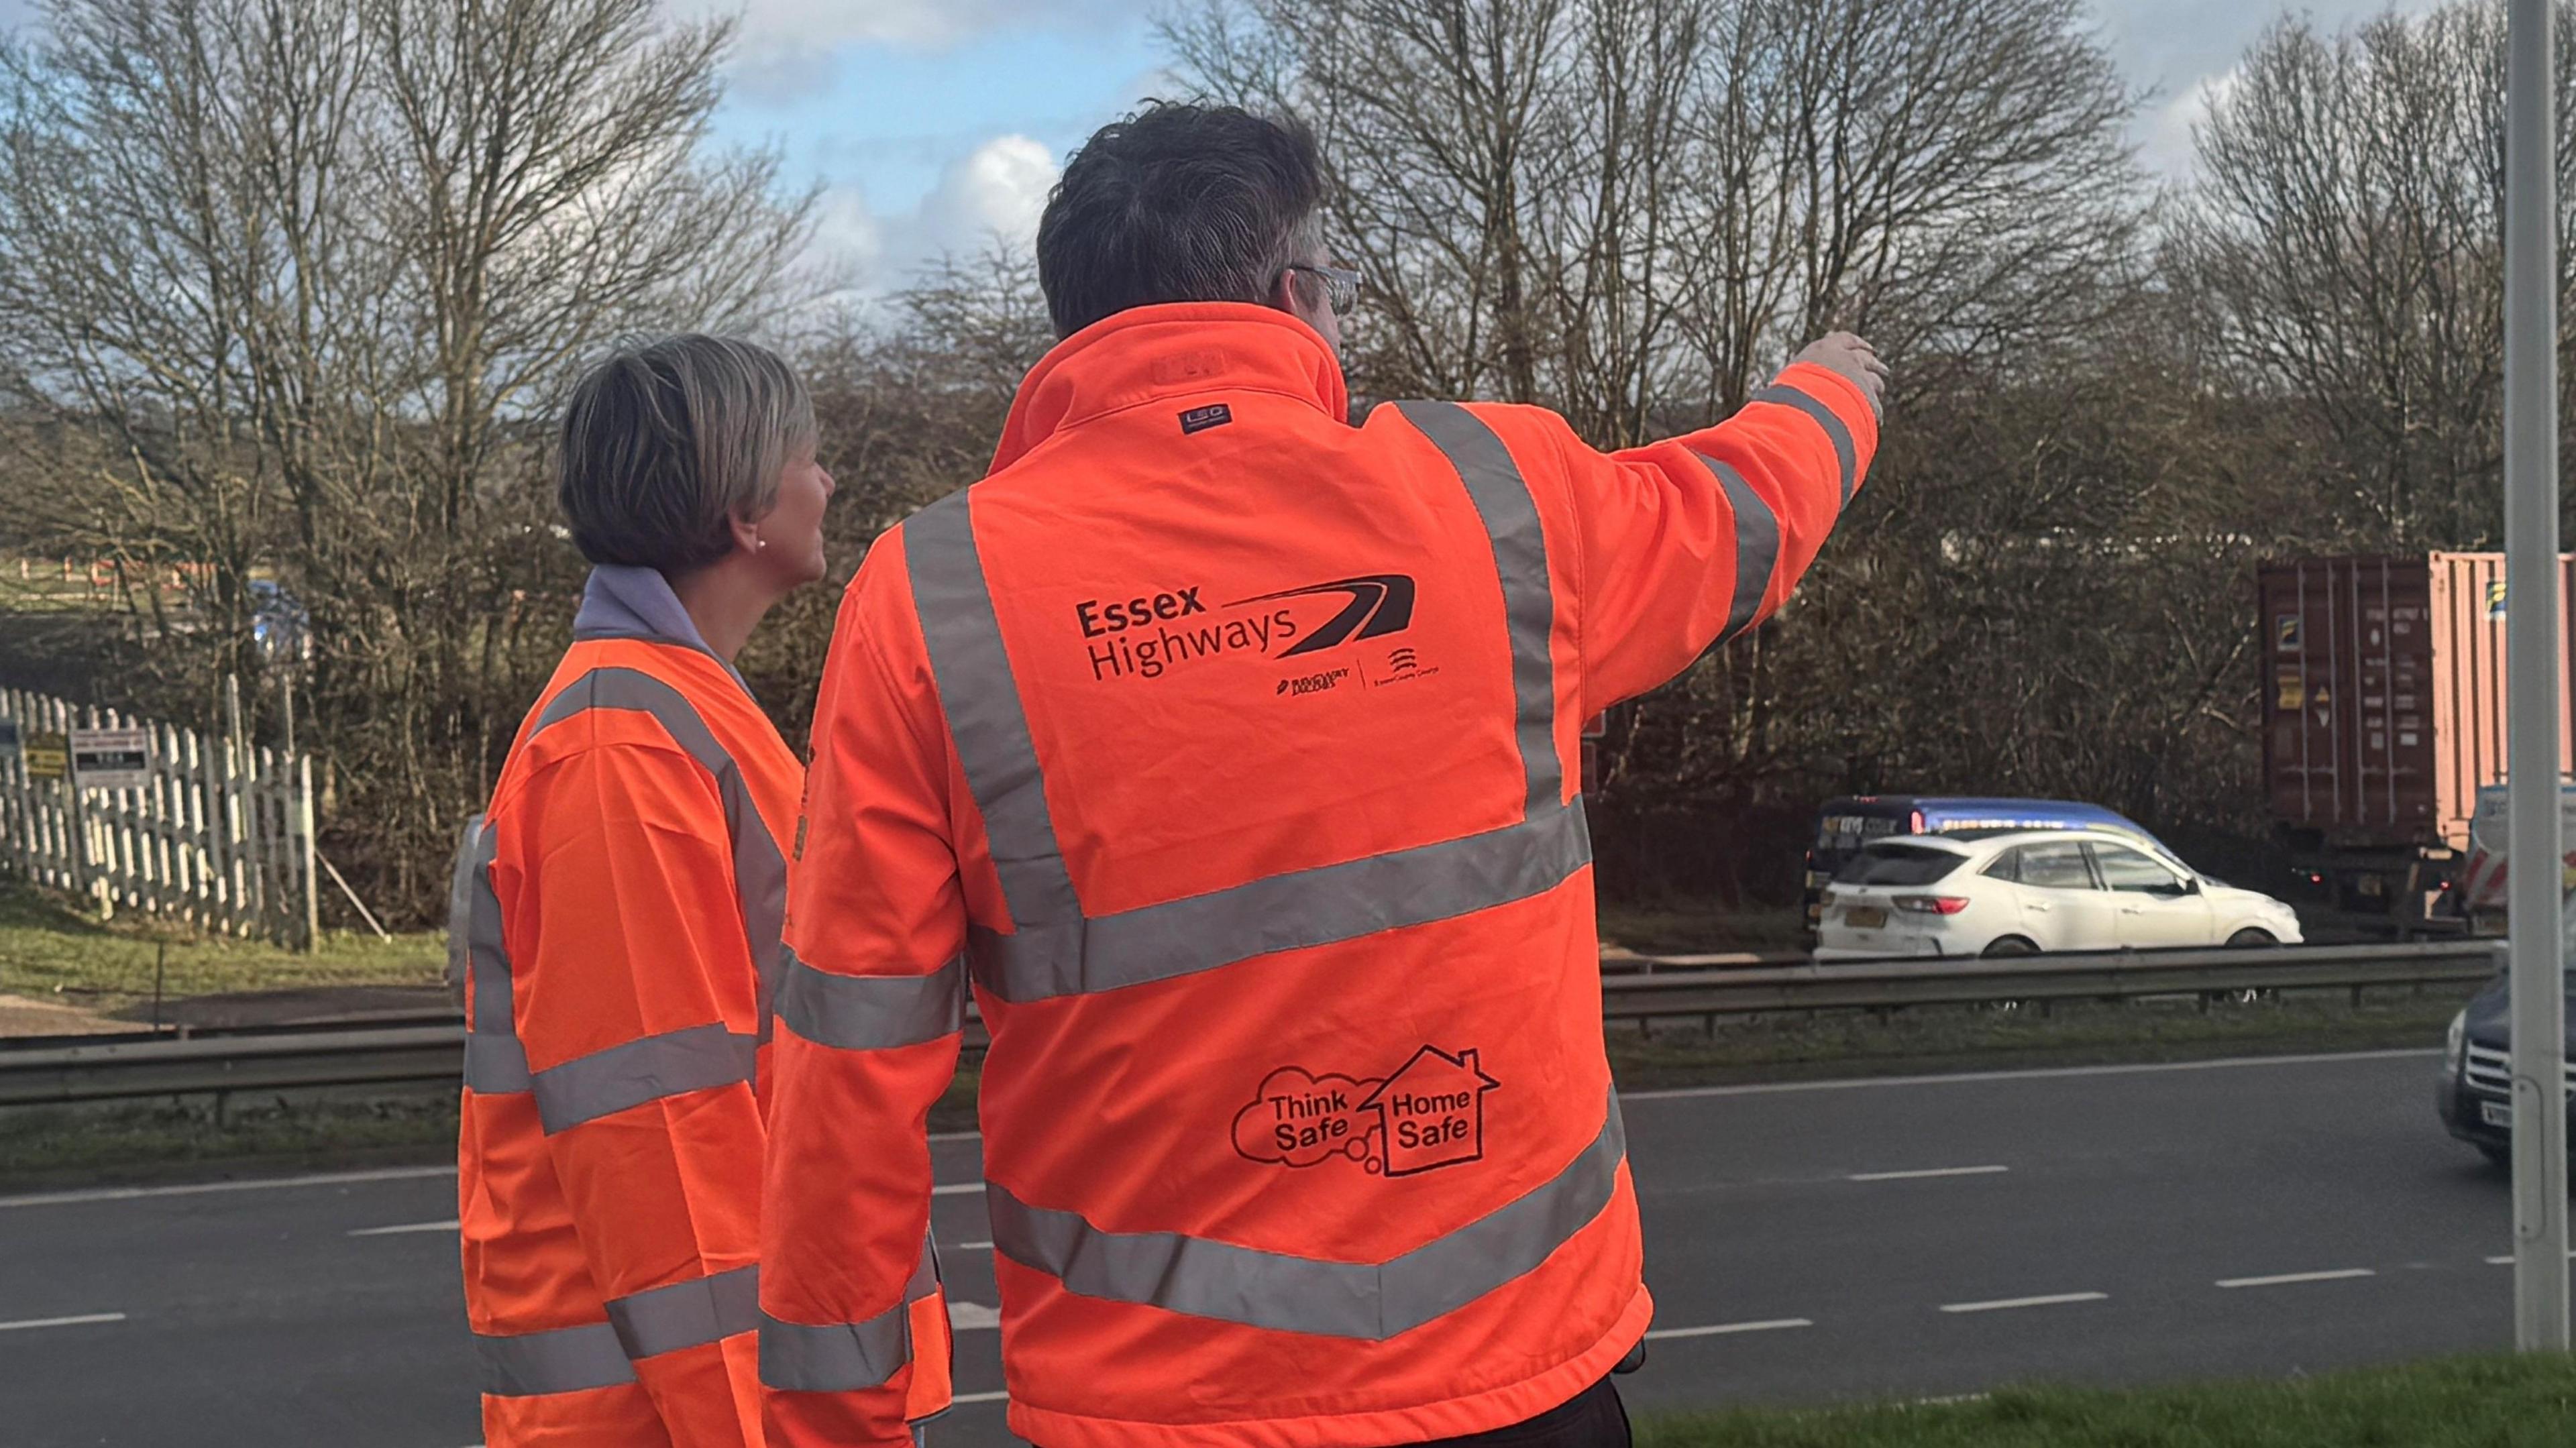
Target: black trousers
[[1593, 1418]]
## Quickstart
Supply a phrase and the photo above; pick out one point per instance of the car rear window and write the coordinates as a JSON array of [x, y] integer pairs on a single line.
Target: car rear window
[[1898, 865]]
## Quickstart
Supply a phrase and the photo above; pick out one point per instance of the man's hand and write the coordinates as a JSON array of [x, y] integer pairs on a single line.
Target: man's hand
[[1853, 358]]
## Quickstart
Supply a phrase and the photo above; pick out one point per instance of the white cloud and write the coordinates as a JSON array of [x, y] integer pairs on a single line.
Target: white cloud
[[995, 192], [2165, 133]]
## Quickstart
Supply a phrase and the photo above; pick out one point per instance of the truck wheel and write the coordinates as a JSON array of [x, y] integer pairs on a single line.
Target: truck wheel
[[2013, 945], [2251, 939]]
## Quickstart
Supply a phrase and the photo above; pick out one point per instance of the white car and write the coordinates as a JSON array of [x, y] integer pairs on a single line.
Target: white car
[[2018, 892]]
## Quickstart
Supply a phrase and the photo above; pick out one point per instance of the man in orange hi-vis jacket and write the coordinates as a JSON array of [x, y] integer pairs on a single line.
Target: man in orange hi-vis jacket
[[616, 932], [1227, 749]]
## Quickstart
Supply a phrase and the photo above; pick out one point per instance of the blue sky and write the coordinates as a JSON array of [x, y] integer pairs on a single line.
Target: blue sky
[[934, 123]]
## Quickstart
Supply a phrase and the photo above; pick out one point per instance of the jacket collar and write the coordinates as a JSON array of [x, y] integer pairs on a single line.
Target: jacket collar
[[1173, 350], [624, 602]]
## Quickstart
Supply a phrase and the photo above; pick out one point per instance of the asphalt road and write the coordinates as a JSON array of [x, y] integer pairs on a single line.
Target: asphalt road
[[1806, 1243]]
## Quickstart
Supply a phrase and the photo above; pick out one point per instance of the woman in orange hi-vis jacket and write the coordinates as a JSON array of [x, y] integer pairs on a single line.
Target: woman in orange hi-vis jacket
[[1228, 749], [616, 923]]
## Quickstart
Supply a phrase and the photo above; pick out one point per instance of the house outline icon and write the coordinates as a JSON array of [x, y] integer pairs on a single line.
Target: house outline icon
[[1461, 1073]]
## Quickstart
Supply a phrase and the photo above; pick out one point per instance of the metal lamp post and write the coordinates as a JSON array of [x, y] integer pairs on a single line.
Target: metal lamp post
[[2533, 653]]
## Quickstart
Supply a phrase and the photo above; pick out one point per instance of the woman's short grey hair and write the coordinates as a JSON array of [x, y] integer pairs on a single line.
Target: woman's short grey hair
[[666, 442]]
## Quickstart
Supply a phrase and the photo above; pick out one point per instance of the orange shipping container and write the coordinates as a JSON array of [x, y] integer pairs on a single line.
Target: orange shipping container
[[2383, 694]]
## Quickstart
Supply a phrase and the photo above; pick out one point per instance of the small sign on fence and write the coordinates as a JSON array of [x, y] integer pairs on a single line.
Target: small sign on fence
[[48, 755], [112, 758]]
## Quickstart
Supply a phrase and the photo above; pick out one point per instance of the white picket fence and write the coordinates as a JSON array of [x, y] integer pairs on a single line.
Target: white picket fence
[[221, 836]]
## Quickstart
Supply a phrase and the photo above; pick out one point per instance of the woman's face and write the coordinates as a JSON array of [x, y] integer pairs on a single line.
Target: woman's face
[[791, 534]]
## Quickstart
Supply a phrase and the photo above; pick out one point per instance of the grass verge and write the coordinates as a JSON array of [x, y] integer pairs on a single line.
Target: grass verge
[[2489, 1402], [1680, 927], [49, 950], [57, 1146]]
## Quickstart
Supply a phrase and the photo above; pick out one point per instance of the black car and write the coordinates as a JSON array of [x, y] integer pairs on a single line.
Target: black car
[[2475, 1094]]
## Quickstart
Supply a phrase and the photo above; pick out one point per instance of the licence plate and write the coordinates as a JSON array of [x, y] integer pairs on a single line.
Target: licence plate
[[1865, 919], [2496, 1113]]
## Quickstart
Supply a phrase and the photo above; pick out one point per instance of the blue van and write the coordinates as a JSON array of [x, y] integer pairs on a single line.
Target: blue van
[[1846, 824]]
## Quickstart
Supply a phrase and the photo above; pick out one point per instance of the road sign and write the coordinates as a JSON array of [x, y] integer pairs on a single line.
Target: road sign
[[48, 755], [112, 758]]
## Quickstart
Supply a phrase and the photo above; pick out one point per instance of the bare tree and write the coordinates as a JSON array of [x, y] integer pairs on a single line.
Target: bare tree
[[2345, 239], [316, 270], [1619, 207]]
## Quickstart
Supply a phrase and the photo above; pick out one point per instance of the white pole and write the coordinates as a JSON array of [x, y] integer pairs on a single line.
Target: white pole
[[2532, 649]]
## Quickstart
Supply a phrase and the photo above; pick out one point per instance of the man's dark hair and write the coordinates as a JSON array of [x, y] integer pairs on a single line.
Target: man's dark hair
[[1176, 203]]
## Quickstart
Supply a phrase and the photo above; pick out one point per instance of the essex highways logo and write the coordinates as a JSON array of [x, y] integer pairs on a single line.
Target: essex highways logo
[[1150, 634], [1381, 604]]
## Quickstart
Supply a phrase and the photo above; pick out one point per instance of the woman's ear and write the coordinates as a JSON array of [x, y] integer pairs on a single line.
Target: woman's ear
[[746, 534]]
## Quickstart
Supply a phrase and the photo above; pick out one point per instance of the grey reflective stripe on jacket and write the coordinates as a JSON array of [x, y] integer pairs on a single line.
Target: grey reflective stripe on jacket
[[653, 1067], [1757, 547], [640, 1325], [1054, 949], [1286, 1293], [871, 1012], [495, 1064], [1788, 395], [845, 1357]]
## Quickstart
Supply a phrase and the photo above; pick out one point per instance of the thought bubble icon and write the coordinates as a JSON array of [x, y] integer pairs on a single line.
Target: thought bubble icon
[[1298, 1118]]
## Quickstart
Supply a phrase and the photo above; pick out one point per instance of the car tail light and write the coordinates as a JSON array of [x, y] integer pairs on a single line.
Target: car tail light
[[1932, 904]]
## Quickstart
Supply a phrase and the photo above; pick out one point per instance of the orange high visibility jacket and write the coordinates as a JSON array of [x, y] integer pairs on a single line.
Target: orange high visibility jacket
[[1229, 750], [616, 928]]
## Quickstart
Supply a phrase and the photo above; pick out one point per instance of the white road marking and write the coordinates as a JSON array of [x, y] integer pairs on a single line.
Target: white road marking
[[395, 1231], [955, 1135], [86, 1317], [972, 1247], [262, 1184], [1937, 1171], [962, 1399], [2001, 1304], [2507, 1260], [2286, 1279], [2050, 1073], [957, 1189], [1719, 1329], [969, 1316]]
